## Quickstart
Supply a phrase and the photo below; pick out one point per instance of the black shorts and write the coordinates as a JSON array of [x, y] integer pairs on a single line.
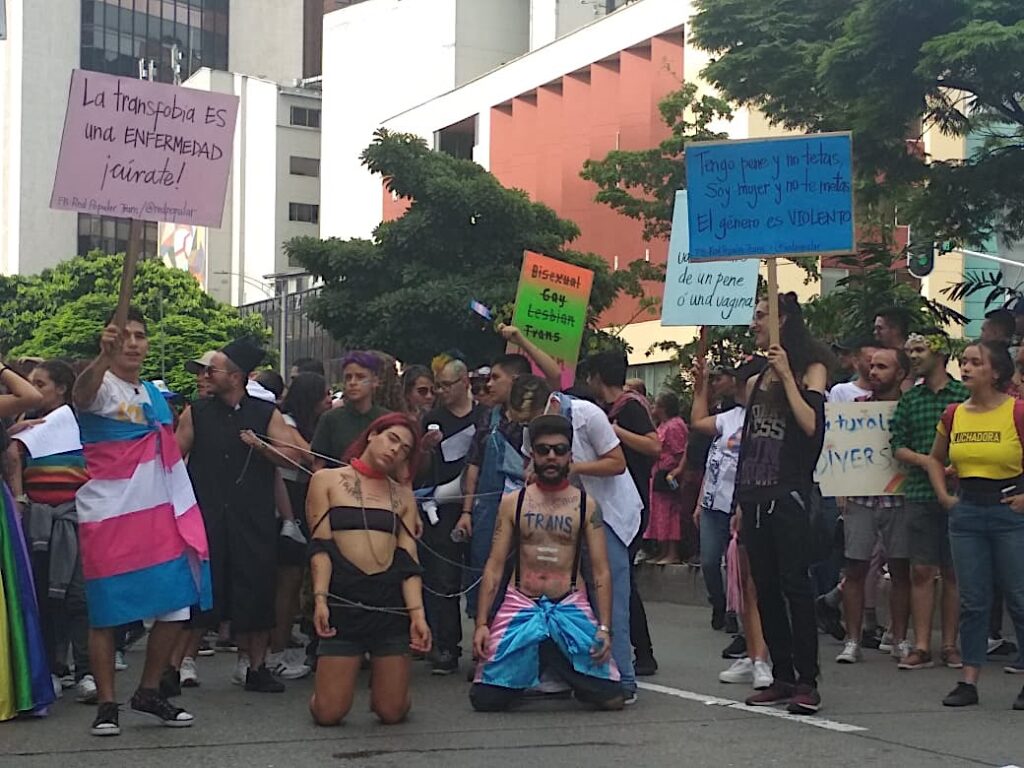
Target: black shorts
[[929, 534], [358, 645]]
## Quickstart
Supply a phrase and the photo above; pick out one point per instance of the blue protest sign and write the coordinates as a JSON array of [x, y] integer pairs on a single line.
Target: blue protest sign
[[704, 293], [788, 196]]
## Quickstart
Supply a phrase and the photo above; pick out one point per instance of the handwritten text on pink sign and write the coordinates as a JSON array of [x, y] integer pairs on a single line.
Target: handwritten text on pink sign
[[143, 150]]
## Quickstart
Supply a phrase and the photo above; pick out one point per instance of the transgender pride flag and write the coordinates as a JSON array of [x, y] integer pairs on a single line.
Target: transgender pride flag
[[143, 542]]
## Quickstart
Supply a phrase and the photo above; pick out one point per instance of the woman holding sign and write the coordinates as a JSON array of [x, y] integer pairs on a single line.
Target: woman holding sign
[[782, 438], [982, 439]]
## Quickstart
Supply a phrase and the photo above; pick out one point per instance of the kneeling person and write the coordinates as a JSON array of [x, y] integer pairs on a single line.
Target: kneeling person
[[543, 620]]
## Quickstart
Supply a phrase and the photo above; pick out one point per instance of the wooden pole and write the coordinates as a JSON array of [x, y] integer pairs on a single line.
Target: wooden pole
[[131, 261], [773, 302], [702, 343]]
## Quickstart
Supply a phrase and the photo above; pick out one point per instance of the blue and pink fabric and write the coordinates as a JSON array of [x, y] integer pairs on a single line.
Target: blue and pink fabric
[[142, 537], [523, 623]]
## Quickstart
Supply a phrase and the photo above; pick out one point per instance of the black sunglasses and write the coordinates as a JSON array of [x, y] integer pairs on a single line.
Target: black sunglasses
[[546, 450]]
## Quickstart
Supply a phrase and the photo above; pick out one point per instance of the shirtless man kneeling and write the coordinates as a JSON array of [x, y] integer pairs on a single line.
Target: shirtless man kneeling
[[543, 620]]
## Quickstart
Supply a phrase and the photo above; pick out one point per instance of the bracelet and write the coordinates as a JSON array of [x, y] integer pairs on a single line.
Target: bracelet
[[324, 595], [415, 608], [604, 628]]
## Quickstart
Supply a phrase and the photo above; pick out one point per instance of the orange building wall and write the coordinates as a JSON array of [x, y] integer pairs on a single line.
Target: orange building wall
[[540, 140]]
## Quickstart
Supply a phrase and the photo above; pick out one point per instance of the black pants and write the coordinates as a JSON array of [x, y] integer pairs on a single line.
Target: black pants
[[443, 577], [777, 536], [639, 631], [588, 690]]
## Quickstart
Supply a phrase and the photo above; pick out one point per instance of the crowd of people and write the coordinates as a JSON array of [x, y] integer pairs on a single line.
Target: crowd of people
[[314, 534]]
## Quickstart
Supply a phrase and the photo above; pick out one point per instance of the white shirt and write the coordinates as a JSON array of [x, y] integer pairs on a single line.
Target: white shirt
[[723, 459], [254, 389], [119, 400], [593, 437], [847, 392]]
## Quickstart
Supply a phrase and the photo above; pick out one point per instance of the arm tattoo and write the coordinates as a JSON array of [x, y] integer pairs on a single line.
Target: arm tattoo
[[596, 519]]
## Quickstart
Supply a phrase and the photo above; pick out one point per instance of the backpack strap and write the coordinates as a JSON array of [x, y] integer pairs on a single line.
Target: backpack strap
[[1018, 419], [517, 535], [947, 417]]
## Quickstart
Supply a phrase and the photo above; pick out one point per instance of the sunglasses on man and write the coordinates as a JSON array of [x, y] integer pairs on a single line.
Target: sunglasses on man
[[546, 450]]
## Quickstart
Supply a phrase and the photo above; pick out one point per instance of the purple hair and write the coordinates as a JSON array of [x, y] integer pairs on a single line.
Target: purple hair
[[366, 360]]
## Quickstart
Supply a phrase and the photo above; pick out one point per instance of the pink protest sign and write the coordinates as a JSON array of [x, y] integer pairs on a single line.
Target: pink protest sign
[[143, 150]]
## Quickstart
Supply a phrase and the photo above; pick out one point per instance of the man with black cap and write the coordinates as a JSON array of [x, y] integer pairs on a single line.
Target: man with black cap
[[232, 471]]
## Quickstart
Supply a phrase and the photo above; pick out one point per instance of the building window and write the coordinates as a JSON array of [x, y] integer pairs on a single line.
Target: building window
[[305, 117], [305, 212], [304, 166], [110, 235], [830, 277], [114, 38], [457, 140]]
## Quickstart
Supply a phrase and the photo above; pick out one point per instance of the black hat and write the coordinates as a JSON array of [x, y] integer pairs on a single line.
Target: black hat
[[245, 354], [722, 370]]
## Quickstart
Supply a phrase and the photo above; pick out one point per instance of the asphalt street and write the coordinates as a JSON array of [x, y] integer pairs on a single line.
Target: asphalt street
[[872, 715]]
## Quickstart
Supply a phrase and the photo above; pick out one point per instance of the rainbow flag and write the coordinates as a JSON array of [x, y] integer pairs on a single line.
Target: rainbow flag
[[142, 537], [24, 672]]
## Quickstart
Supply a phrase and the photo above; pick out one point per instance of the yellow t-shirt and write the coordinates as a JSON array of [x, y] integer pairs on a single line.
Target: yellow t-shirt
[[986, 444]]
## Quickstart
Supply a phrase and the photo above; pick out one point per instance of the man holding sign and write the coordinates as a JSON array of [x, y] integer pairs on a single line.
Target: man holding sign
[[869, 517]]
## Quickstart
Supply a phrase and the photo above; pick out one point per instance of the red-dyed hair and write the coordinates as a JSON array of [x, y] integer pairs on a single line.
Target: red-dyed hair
[[383, 423]]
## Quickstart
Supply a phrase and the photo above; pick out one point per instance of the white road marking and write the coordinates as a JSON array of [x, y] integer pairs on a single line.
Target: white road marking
[[714, 701]]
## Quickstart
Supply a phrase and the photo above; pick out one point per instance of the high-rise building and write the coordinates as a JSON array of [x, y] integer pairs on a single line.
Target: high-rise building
[[167, 40]]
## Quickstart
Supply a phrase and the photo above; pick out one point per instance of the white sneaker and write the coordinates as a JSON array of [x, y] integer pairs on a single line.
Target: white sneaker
[[294, 656], [763, 677], [58, 690], [188, 674], [902, 649], [851, 653], [887, 643], [279, 665], [85, 691], [741, 671], [241, 670], [120, 664]]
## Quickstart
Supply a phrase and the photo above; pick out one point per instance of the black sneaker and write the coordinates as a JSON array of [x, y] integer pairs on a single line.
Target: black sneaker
[[261, 681], [997, 646], [205, 648], [645, 666], [170, 683], [1018, 703], [830, 620], [226, 646], [717, 620], [732, 625], [445, 663], [777, 693], [148, 702], [106, 723], [806, 700], [871, 638], [964, 695], [737, 649]]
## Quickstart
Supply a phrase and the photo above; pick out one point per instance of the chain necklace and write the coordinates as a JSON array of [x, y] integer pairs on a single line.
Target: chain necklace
[[366, 527]]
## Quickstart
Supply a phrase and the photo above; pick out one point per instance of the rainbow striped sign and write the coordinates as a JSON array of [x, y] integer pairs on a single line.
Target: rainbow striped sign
[[551, 307]]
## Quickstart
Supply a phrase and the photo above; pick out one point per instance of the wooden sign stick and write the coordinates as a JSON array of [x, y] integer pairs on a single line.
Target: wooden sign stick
[[131, 261], [773, 302]]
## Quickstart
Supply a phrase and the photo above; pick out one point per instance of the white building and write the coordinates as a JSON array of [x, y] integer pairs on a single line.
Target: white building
[[47, 39], [383, 57], [273, 190]]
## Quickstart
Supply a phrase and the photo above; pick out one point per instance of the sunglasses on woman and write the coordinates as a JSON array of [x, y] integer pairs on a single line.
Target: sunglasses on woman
[[546, 450]]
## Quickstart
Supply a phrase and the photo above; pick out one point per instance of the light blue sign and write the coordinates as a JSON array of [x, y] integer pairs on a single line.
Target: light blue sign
[[704, 293], [771, 197]]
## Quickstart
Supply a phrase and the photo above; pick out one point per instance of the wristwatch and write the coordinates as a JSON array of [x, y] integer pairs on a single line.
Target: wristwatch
[[604, 628]]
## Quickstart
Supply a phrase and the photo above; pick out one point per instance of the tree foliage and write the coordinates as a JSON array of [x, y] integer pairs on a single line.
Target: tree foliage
[[59, 313], [462, 238], [886, 69]]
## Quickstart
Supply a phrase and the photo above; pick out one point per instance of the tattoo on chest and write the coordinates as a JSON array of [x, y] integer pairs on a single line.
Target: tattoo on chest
[[551, 523]]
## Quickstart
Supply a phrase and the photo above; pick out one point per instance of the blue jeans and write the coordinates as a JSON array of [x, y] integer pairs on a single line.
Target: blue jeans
[[714, 539], [987, 541], [622, 648]]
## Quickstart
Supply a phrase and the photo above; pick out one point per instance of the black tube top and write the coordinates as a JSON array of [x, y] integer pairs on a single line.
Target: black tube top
[[356, 519]]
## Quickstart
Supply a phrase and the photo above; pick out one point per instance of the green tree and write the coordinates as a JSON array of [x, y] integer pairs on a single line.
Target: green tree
[[886, 69], [59, 313], [462, 238]]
